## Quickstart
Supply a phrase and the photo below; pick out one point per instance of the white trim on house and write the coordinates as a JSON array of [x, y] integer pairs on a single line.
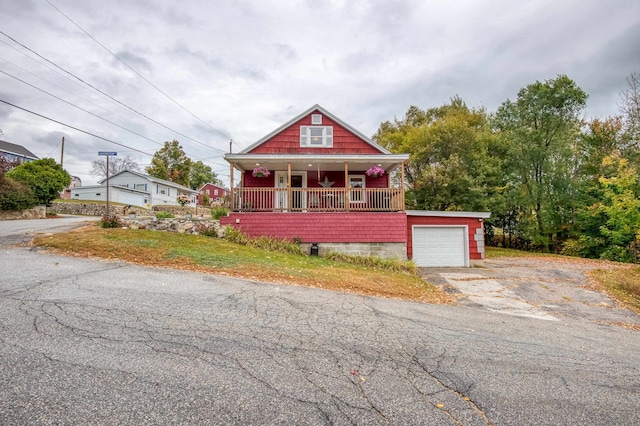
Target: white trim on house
[[316, 136], [477, 215], [244, 162], [281, 197], [357, 194]]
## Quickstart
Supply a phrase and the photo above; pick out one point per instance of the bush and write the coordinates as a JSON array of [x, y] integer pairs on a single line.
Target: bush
[[110, 221], [234, 235], [15, 195], [164, 215], [264, 243], [218, 212], [208, 232]]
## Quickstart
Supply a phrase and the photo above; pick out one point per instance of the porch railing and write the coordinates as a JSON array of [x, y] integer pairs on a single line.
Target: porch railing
[[317, 199]]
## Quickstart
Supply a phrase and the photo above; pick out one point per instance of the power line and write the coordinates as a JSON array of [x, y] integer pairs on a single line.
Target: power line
[[62, 88], [138, 74], [80, 108], [74, 128], [106, 94]]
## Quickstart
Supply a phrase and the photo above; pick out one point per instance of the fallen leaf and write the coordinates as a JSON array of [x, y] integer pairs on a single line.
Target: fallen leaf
[[440, 405]]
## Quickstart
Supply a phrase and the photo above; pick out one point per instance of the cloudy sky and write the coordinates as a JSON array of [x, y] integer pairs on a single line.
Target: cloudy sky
[[140, 72]]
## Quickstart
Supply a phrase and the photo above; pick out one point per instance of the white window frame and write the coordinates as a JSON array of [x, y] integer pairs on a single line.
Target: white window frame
[[326, 137], [316, 119], [357, 195]]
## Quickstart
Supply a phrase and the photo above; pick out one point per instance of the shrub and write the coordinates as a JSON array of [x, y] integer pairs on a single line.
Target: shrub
[[110, 221], [164, 215], [275, 244], [208, 232], [15, 195], [235, 235], [264, 243], [218, 212]]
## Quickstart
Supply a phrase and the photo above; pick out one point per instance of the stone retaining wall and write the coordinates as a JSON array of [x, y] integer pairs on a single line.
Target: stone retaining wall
[[95, 209], [84, 209], [199, 211], [39, 212], [179, 225]]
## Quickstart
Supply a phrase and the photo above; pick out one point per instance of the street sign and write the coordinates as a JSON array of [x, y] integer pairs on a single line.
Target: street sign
[[107, 153]]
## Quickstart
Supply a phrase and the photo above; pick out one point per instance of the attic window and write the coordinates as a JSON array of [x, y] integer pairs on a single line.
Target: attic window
[[316, 119], [316, 136]]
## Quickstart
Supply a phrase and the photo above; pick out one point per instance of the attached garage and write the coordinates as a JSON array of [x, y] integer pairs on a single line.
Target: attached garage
[[435, 246], [445, 239]]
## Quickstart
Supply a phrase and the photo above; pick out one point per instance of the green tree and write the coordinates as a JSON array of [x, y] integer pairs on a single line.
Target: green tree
[[201, 174], [542, 127], [45, 177], [450, 167], [171, 163]]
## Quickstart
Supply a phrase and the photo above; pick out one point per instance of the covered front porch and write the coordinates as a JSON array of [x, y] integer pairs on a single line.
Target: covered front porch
[[317, 183]]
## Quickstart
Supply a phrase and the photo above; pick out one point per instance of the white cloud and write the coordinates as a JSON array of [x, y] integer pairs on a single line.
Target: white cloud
[[246, 67]]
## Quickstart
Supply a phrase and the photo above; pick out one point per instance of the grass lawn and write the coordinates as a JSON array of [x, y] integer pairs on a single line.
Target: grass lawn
[[213, 255]]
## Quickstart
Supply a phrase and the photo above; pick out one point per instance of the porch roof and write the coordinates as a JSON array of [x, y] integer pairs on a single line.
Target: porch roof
[[327, 162]]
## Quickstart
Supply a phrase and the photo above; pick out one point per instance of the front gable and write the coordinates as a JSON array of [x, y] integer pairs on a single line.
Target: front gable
[[316, 131]]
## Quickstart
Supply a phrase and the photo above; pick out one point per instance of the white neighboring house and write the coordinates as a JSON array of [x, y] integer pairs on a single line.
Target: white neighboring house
[[136, 189]]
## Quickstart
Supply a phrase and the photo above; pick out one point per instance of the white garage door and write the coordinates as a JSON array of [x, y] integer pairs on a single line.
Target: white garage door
[[439, 246]]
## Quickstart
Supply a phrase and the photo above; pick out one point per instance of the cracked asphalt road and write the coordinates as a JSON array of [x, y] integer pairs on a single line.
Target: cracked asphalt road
[[95, 342]]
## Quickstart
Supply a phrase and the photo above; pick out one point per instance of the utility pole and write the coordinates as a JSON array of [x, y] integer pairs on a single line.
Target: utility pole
[[62, 152], [107, 154]]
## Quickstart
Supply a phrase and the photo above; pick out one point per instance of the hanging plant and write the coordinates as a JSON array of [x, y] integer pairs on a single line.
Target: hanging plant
[[375, 171], [261, 172]]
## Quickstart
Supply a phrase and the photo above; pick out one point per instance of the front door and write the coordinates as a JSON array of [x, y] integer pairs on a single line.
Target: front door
[[298, 197]]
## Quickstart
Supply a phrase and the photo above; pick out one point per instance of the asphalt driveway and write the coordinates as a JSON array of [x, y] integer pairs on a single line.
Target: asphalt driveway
[[542, 288]]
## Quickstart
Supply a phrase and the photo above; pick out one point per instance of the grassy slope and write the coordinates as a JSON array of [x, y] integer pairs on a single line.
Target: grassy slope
[[212, 255]]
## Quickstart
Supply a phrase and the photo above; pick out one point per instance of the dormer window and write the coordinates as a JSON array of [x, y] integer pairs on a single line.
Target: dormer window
[[316, 136]]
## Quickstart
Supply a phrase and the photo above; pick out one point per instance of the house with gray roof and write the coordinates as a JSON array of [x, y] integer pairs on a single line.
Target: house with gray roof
[[14, 151]]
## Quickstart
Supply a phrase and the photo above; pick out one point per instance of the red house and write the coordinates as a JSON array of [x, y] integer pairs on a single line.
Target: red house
[[215, 193], [319, 180]]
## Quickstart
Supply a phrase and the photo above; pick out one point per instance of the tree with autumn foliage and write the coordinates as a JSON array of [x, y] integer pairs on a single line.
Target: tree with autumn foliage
[[451, 166], [171, 163]]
